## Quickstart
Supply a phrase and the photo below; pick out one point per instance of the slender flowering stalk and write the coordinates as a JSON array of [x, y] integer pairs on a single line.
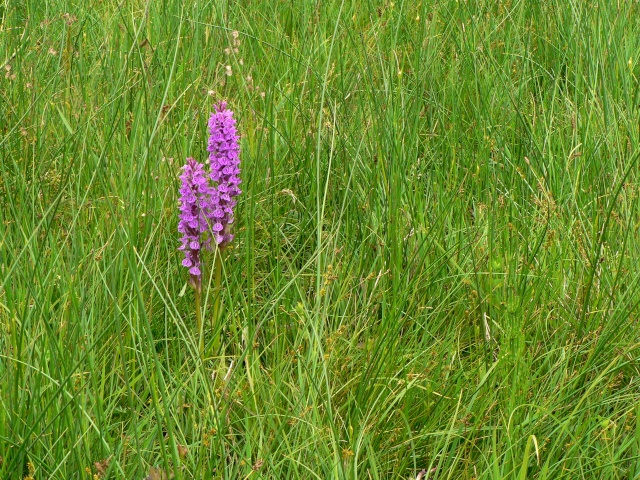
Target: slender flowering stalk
[[195, 193], [207, 201], [224, 161]]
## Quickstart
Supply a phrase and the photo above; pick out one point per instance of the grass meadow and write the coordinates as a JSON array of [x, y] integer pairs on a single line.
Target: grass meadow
[[435, 271]]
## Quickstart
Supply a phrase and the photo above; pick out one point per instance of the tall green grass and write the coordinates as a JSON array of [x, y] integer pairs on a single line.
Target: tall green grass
[[436, 257]]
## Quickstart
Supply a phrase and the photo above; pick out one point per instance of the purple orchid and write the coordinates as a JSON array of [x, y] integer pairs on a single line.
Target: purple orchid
[[224, 161], [194, 205]]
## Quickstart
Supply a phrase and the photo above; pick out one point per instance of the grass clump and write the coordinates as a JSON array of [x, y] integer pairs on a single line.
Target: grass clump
[[435, 258]]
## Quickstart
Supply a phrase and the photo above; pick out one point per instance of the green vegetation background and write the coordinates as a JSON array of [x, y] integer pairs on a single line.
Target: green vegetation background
[[437, 245]]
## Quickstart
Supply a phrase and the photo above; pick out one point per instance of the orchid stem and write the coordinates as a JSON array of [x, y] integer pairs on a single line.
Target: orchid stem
[[217, 293], [199, 323]]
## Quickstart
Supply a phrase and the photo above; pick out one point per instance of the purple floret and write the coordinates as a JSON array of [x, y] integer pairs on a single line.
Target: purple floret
[[224, 161]]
